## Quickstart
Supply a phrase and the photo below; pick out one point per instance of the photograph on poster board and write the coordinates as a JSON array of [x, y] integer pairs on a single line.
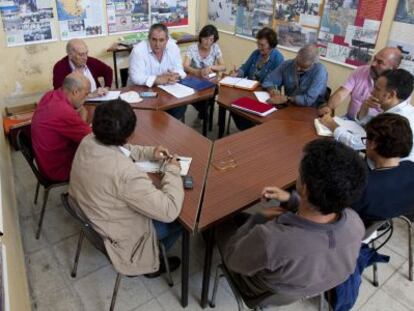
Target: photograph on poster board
[[405, 12], [402, 37], [27, 21], [295, 36], [80, 19], [306, 13], [253, 15], [127, 15], [349, 30], [171, 13], [222, 13]]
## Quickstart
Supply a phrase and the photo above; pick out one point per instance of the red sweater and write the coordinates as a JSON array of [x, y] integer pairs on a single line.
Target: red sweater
[[96, 67]]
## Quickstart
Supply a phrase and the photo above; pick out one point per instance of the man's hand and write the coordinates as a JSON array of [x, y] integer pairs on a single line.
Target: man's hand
[[83, 113], [275, 193], [329, 122], [174, 161], [162, 79], [277, 99], [272, 212], [234, 72], [325, 110], [161, 153], [372, 102]]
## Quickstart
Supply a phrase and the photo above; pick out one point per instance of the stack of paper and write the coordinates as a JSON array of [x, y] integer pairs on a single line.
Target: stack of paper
[[131, 97], [241, 83], [111, 95], [349, 125], [154, 166], [177, 90]]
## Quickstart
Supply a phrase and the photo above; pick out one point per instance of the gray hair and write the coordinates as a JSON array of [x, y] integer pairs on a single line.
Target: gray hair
[[158, 26], [309, 53], [72, 82]]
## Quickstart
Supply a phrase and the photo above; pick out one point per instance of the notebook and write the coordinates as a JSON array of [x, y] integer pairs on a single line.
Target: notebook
[[349, 125], [154, 166], [111, 95], [253, 106], [177, 90], [197, 83], [240, 83]]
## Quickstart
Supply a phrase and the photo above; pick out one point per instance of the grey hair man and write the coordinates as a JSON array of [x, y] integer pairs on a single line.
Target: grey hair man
[[304, 79]]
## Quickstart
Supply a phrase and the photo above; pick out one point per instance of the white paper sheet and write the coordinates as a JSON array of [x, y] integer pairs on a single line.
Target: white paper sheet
[[177, 90], [111, 95], [131, 97], [154, 166], [262, 96]]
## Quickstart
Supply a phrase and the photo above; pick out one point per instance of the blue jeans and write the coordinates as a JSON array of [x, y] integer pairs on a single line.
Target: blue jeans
[[178, 112], [167, 233]]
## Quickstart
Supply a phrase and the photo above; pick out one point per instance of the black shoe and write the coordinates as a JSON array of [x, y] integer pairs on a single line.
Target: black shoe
[[174, 263]]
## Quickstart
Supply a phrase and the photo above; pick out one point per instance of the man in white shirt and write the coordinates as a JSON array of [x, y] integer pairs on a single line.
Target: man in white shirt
[[391, 94], [157, 61]]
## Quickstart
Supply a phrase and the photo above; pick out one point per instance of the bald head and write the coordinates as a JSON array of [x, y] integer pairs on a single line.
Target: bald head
[[386, 59], [76, 87], [307, 56], [77, 51]]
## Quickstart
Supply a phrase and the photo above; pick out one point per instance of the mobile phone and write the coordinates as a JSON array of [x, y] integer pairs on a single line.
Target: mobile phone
[[148, 94], [281, 106], [188, 182]]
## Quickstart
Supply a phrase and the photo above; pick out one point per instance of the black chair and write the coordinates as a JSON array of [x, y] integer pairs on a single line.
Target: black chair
[[24, 143], [97, 241], [254, 302]]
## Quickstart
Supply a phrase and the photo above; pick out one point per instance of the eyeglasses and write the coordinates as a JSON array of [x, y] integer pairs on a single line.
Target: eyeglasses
[[364, 140], [226, 164]]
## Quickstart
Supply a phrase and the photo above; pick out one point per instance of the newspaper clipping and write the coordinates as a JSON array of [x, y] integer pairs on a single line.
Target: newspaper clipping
[[222, 13], [253, 15], [127, 15], [172, 13], [27, 21]]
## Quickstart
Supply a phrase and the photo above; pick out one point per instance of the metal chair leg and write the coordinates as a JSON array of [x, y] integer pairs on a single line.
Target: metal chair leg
[[167, 264], [216, 282], [228, 124], [37, 192], [374, 270], [42, 213], [410, 245], [210, 116], [78, 250], [115, 293], [322, 302]]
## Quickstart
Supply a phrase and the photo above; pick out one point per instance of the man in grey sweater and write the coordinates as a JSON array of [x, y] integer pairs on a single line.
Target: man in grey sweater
[[311, 242]]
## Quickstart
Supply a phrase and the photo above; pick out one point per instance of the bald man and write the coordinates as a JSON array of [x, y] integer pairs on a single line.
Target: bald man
[[58, 126], [361, 82], [77, 59]]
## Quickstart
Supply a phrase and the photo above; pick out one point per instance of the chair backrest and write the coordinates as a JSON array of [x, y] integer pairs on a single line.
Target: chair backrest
[[124, 76], [24, 142], [91, 234]]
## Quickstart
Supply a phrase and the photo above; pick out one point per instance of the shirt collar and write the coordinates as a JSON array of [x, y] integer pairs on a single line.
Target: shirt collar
[[72, 66], [400, 106]]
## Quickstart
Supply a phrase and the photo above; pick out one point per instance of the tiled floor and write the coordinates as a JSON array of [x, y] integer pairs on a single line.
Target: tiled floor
[[49, 261]]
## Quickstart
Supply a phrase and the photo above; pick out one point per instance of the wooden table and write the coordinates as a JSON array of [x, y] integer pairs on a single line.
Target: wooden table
[[226, 95], [265, 155], [159, 128]]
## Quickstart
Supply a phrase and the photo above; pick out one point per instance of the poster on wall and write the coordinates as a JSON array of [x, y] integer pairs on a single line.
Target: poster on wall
[[297, 22], [127, 15], [349, 30], [253, 15], [27, 21], [80, 19], [402, 33], [222, 14], [172, 13]]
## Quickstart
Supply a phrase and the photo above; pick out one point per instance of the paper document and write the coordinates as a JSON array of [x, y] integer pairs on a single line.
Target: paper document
[[154, 166], [262, 96], [177, 90], [111, 95], [351, 126], [131, 97], [239, 82]]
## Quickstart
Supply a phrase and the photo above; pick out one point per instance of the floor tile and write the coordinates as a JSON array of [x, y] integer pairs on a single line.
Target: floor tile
[[400, 288], [61, 300], [382, 301]]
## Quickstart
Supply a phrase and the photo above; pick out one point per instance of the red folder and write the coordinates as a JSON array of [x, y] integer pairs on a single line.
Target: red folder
[[253, 106]]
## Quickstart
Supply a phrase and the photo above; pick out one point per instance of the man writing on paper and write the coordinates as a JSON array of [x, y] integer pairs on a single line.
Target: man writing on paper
[[58, 126], [77, 59], [303, 78], [120, 200], [391, 94], [157, 61], [361, 82]]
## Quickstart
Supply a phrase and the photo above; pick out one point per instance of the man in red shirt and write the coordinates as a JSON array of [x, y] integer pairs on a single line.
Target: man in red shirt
[[77, 59], [58, 126]]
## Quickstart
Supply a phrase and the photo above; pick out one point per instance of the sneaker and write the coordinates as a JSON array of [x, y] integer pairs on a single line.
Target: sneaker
[[174, 263]]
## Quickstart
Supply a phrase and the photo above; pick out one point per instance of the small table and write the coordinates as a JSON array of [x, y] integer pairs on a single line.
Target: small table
[[264, 155], [227, 95]]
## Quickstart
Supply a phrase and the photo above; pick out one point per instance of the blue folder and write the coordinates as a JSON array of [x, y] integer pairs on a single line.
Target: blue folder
[[196, 83]]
